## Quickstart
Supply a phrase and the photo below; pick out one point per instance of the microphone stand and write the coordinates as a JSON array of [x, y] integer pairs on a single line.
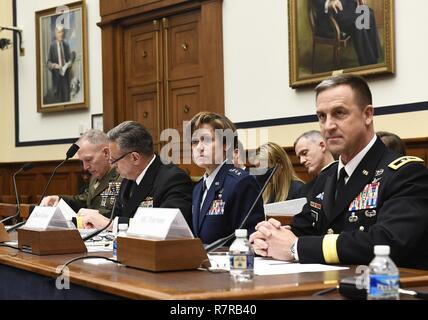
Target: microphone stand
[[25, 167]]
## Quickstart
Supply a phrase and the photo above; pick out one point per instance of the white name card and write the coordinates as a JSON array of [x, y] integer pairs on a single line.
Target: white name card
[[159, 224], [66, 210], [43, 217]]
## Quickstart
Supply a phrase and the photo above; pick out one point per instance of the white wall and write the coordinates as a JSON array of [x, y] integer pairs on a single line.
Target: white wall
[[256, 76], [256, 62], [58, 125]]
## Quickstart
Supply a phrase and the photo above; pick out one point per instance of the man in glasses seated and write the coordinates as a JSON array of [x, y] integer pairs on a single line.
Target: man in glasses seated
[[147, 182], [104, 183]]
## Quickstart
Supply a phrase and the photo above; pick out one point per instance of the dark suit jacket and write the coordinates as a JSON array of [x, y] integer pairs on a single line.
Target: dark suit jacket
[[366, 41], [167, 186], [233, 189], [385, 203]]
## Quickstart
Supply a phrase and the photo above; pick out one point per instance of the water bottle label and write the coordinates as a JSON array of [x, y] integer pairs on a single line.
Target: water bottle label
[[242, 261], [381, 285]]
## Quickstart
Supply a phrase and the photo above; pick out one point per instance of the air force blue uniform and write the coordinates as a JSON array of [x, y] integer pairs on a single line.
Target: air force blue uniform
[[228, 200]]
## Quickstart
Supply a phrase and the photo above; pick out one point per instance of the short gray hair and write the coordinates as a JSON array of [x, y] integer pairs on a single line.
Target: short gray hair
[[313, 135], [95, 137], [132, 136]]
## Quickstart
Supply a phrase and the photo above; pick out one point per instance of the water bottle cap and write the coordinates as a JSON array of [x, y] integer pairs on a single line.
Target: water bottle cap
[[123, 226], [241, 233], [381, 250]]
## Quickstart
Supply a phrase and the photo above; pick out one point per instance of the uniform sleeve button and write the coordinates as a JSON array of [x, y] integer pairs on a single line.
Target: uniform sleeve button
[[361, 228]]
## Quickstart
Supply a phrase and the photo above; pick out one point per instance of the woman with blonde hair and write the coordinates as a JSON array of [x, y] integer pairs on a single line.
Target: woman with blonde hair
[[285, 184]]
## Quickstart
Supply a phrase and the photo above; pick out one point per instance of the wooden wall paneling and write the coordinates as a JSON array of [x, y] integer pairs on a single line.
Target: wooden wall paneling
[[30, 184], [185, 97], [109, 85], [112, 10], [142, 105], [184, 46], [212, 56]]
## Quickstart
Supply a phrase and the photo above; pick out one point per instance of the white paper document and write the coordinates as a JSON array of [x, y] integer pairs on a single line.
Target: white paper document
[[159, 224], [289, 207], [265, 267]]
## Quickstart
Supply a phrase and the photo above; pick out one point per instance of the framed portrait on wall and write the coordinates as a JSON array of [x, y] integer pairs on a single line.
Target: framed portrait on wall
[[61, 51], [97, 121], [342, 36]]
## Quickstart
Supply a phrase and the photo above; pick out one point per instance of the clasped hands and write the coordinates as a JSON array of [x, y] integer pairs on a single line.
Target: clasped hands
[[273, 240]]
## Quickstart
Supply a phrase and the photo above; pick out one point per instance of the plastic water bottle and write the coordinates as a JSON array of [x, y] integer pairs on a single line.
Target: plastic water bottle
[[241, 257], [121, 232], [383, 276]]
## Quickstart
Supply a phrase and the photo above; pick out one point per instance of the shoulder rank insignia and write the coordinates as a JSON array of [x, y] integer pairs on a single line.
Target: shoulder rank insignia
[[235, 171], [329, 165], [398, 163]]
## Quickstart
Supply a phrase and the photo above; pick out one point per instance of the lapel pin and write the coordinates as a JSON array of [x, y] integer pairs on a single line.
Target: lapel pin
[[365, 172]]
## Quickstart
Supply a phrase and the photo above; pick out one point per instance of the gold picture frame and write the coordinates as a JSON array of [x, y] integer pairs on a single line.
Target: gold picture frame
[[338, 46], [62, 58]]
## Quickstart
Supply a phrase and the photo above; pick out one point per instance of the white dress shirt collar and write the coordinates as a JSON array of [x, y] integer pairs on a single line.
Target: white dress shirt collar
[[355, 161], [209, 179], [141, 176]]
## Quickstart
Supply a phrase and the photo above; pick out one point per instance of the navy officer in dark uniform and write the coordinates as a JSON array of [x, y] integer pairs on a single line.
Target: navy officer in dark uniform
[[371, 196], [224, 195]]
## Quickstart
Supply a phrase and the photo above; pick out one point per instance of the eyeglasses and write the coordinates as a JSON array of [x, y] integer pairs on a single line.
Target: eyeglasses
[[113, 161]]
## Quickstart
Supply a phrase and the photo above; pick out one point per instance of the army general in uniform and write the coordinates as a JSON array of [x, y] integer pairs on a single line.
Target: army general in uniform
[[104, 183], [371, 196]]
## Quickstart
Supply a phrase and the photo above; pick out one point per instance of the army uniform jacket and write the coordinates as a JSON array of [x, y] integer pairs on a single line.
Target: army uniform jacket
[[226, 203], [385, 203], [98, 197], [163, 186]]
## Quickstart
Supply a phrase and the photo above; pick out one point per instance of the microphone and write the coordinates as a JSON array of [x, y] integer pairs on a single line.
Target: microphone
[[97, 232], [218, 243], [70, 153], [25, 167]]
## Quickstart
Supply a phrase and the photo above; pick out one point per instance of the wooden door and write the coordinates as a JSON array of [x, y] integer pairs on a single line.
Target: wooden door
[[143, 77]]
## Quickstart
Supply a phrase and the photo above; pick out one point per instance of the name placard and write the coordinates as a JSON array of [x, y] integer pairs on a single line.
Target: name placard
[[159, 224], [43, 217]]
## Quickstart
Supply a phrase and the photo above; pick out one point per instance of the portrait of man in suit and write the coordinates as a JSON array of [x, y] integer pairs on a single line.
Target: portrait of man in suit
[[339, 35], [60, 61], [61, 58]]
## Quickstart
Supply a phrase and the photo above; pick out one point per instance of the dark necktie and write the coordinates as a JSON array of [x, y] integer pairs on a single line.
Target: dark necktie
[[340, 185], [204, 188], [132, 189], [62, 59]]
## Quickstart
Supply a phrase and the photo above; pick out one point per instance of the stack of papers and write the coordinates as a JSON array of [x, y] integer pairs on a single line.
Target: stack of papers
[[265, 266], [285, 208]]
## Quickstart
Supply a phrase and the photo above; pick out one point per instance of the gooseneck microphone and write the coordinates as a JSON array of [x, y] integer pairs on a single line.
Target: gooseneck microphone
[[70, 153], [97, 232], [25, 167], [218, 243]]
